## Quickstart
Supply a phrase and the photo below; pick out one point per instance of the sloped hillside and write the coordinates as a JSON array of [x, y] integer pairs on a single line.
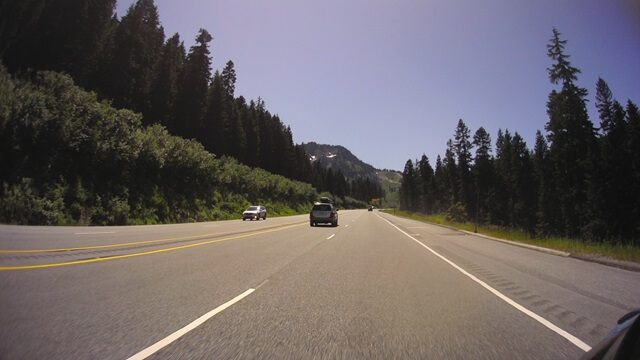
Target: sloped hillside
[[340, 158], [337, 157]]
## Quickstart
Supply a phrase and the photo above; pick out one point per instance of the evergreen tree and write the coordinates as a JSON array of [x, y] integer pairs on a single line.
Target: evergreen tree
[[425, 172], [548, 214], [633, 146], [463, 146], [483, 172], [409, 188], [215, 124], [165, 89], [139, 40], [572, 138], [450, 176], [192, 95], [610, 186], [525, 195], [499, 208], [60, 35], [250, 123], [229, 79], [440, 200]]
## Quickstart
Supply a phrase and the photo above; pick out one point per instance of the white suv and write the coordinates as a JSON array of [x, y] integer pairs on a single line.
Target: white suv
[[255, 212]]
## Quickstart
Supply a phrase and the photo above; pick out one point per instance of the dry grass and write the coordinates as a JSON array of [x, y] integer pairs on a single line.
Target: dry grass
[[573, 246]]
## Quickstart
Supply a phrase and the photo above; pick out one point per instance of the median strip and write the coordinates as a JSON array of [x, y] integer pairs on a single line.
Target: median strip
[[193, 237], [100, 259]]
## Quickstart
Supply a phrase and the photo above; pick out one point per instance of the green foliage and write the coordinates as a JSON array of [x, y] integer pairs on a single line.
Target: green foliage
[[68, 158], [22, 204], [457, 213]]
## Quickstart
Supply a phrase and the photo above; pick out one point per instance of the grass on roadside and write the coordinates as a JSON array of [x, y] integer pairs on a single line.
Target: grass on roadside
[[573, 246]]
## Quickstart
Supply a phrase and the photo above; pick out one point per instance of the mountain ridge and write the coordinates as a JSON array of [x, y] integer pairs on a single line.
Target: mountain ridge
[[339, 158]]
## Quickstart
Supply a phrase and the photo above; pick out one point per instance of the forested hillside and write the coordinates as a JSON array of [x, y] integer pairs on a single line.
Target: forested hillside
[[80, 160], [69, 159], [579, 181]]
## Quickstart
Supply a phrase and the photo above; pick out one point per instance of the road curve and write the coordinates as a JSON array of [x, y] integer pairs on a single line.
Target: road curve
[[377, 286]]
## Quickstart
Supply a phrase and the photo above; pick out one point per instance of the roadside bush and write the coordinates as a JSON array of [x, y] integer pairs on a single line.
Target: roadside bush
[[22, 204], [457, 213]]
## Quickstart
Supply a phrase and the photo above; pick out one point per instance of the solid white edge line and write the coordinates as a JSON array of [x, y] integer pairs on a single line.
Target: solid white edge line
[[574, 340], [331, 236], [176, 335]]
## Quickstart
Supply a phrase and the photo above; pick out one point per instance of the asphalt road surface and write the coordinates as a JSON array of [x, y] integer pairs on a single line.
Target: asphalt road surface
[[376, 286]]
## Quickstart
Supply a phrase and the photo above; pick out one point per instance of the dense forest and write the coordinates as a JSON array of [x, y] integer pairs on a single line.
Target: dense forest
[[127, 63], [579, 181]]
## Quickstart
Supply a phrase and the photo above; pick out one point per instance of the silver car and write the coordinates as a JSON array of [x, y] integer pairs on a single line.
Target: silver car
[[323, 213], [255, 212]]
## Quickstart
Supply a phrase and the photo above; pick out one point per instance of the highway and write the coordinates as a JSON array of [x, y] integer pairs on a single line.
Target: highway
[[376, 286]]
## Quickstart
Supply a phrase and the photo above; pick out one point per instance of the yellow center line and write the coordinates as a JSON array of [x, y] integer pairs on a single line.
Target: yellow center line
[[98, 259], [193, 237]]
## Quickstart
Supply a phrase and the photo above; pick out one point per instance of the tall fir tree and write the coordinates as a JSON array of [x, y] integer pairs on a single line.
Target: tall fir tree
[[633, 146], [483, 172], [409, 188], [139, 40], [572, 138], [194, 84], [425, 172], [548, 214], [165, 88], [463, 147]]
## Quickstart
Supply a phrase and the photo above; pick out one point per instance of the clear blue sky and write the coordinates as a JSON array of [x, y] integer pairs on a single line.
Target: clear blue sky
[[389, 80]]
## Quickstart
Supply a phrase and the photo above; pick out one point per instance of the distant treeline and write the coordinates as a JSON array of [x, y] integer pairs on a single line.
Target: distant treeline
[[129, 63], [579, 181]]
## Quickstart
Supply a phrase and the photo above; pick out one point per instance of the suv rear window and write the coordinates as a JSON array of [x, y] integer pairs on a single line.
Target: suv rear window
[[321, 207]]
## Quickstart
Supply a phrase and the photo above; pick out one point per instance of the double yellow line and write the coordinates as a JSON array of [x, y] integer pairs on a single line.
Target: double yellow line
[[98, 259]]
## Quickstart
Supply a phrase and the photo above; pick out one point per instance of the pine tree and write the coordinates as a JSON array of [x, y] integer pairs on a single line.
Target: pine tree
[[59, 35], [250, 124], [192, 95], [165, 89], [451, 176], [483, 172], [440, 199], [229, 79], [499, 209], [409, 188], [139, 40], [463, 147], [572, 139], [425, 172], [215, 124], [548, 214], [609, 186], [633, 146]]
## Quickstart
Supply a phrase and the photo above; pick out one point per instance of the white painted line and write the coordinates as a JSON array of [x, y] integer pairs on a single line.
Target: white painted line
[[176, 335], [331, 236], [574, 340], [93, 233]]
